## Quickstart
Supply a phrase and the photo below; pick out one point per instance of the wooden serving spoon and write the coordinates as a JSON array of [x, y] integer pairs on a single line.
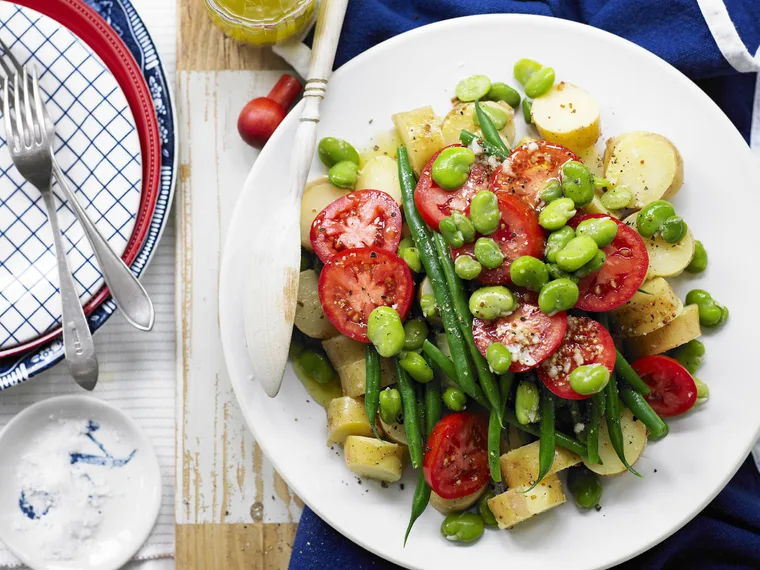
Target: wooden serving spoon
[[272, 285]]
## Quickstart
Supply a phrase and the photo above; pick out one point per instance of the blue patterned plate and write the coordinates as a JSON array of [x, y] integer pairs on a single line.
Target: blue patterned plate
[[99, 149]]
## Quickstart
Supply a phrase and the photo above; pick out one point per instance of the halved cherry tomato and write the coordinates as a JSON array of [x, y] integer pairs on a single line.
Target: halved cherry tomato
[[672, 390], [530, 335], [365, 218], [456, 455], [620, 276], [434, 203], [529, 169], [355, 282], [518, 234], [585, 342]]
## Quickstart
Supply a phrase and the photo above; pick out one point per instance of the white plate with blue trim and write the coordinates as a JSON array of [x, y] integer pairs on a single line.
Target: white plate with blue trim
[[81, 485]]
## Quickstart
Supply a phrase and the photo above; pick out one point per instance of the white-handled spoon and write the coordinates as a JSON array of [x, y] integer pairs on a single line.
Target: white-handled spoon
[[272, 285]]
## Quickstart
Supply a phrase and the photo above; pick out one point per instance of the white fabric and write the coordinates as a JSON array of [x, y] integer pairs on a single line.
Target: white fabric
[[137, 370], [724, 32]]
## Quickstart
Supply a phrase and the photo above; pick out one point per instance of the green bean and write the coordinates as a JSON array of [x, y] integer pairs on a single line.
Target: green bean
[[484, 212], [490, 303], [445, 365], [711, 313], [699, 262], [650, 218], [589, 379], [423, 239], [451, 167], [629, 375], [498, 116], [556, 241], [432, 406], [487, 381], [557, 296], [485, 511], [527, 403], [577, 253], [617, 198], [385, 331], [499, 358], [505, 387], [417, 368], [390, 405], [427, 417], [462, 527], [467, 138], [552, 191], [527, 109], [488, 253], [547, 438], [673, 229], [331, 151], [316, 364], [464, 226], [503, 92], [415, 331], [524, 69], [420, 502], [601, 230], [556, 214], [411, 414], [490, 132], [343, 174], [690, 355], [563, 440], [615, 432], [467, 268], [372, 391], [455, 399], [494, 444], [643, 411], [529, 272], [579, 422], [595, 415], [539, 82], [473, 87], [585, 485], [306, 260]]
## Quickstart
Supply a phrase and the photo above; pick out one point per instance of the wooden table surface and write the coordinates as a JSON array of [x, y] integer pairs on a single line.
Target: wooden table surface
[[233, 510]]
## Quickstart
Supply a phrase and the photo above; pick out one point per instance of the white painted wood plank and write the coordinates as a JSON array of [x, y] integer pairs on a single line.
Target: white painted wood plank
[[221, 474]]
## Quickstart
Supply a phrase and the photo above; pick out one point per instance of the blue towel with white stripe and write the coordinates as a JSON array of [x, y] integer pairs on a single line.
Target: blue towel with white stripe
[[711, 41]]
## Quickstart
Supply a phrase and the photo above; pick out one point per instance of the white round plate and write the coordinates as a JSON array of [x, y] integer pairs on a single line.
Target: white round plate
[[636, 91], [122, 466]]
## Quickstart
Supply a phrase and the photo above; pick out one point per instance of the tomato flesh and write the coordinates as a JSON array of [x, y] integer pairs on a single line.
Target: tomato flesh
[[585, 342], [434, 203], [672, 389], [366, 218], [355, 282], [530, 335], [518, 234], [529, 169], [620, 276], [455, 463]]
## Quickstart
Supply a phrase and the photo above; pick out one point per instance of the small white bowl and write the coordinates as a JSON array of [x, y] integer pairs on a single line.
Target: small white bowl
[[130, 494]]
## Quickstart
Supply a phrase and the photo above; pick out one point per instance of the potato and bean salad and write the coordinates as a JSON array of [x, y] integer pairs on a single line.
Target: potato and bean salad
[[494, 315]]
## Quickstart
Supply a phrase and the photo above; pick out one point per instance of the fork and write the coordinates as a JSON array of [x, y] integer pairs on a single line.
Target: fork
[[31, 151], [127, 292]]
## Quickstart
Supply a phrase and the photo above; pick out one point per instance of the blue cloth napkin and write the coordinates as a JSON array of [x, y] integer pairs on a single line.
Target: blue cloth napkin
[[727, 533]]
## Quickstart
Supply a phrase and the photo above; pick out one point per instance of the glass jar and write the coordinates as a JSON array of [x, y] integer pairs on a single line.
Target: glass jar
[[262, 22]]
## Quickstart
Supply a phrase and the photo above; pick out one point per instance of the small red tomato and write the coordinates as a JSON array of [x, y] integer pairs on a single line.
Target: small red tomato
[[456, 455], [258, 120], [672, 389]]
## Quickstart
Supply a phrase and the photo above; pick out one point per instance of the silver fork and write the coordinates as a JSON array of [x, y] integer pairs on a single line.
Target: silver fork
[[127, 292], [31, 151]]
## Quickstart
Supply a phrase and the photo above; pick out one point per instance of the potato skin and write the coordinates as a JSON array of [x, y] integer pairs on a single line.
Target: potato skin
[[373, 458], [682, 329], [346, 416], [448, 506], [519, 467], [310, 318], [650, 308], [516, 506]]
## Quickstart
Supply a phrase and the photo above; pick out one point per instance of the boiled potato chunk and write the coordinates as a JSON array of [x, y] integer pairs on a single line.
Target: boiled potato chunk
[[380, 173], [346, 416], [516, 505], [650, 308], [682, 329], [567, 115], [448, 506], [373, 458], [395, 432], [353, 377], [461, 118], [310, 318], [666, 259], [420, 131], [342, 350], [648, 164], [519, 467], [634, 442], [317, 195]]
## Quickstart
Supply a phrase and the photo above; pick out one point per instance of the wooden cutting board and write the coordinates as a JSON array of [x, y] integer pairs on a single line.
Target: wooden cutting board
[[233, 511]]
